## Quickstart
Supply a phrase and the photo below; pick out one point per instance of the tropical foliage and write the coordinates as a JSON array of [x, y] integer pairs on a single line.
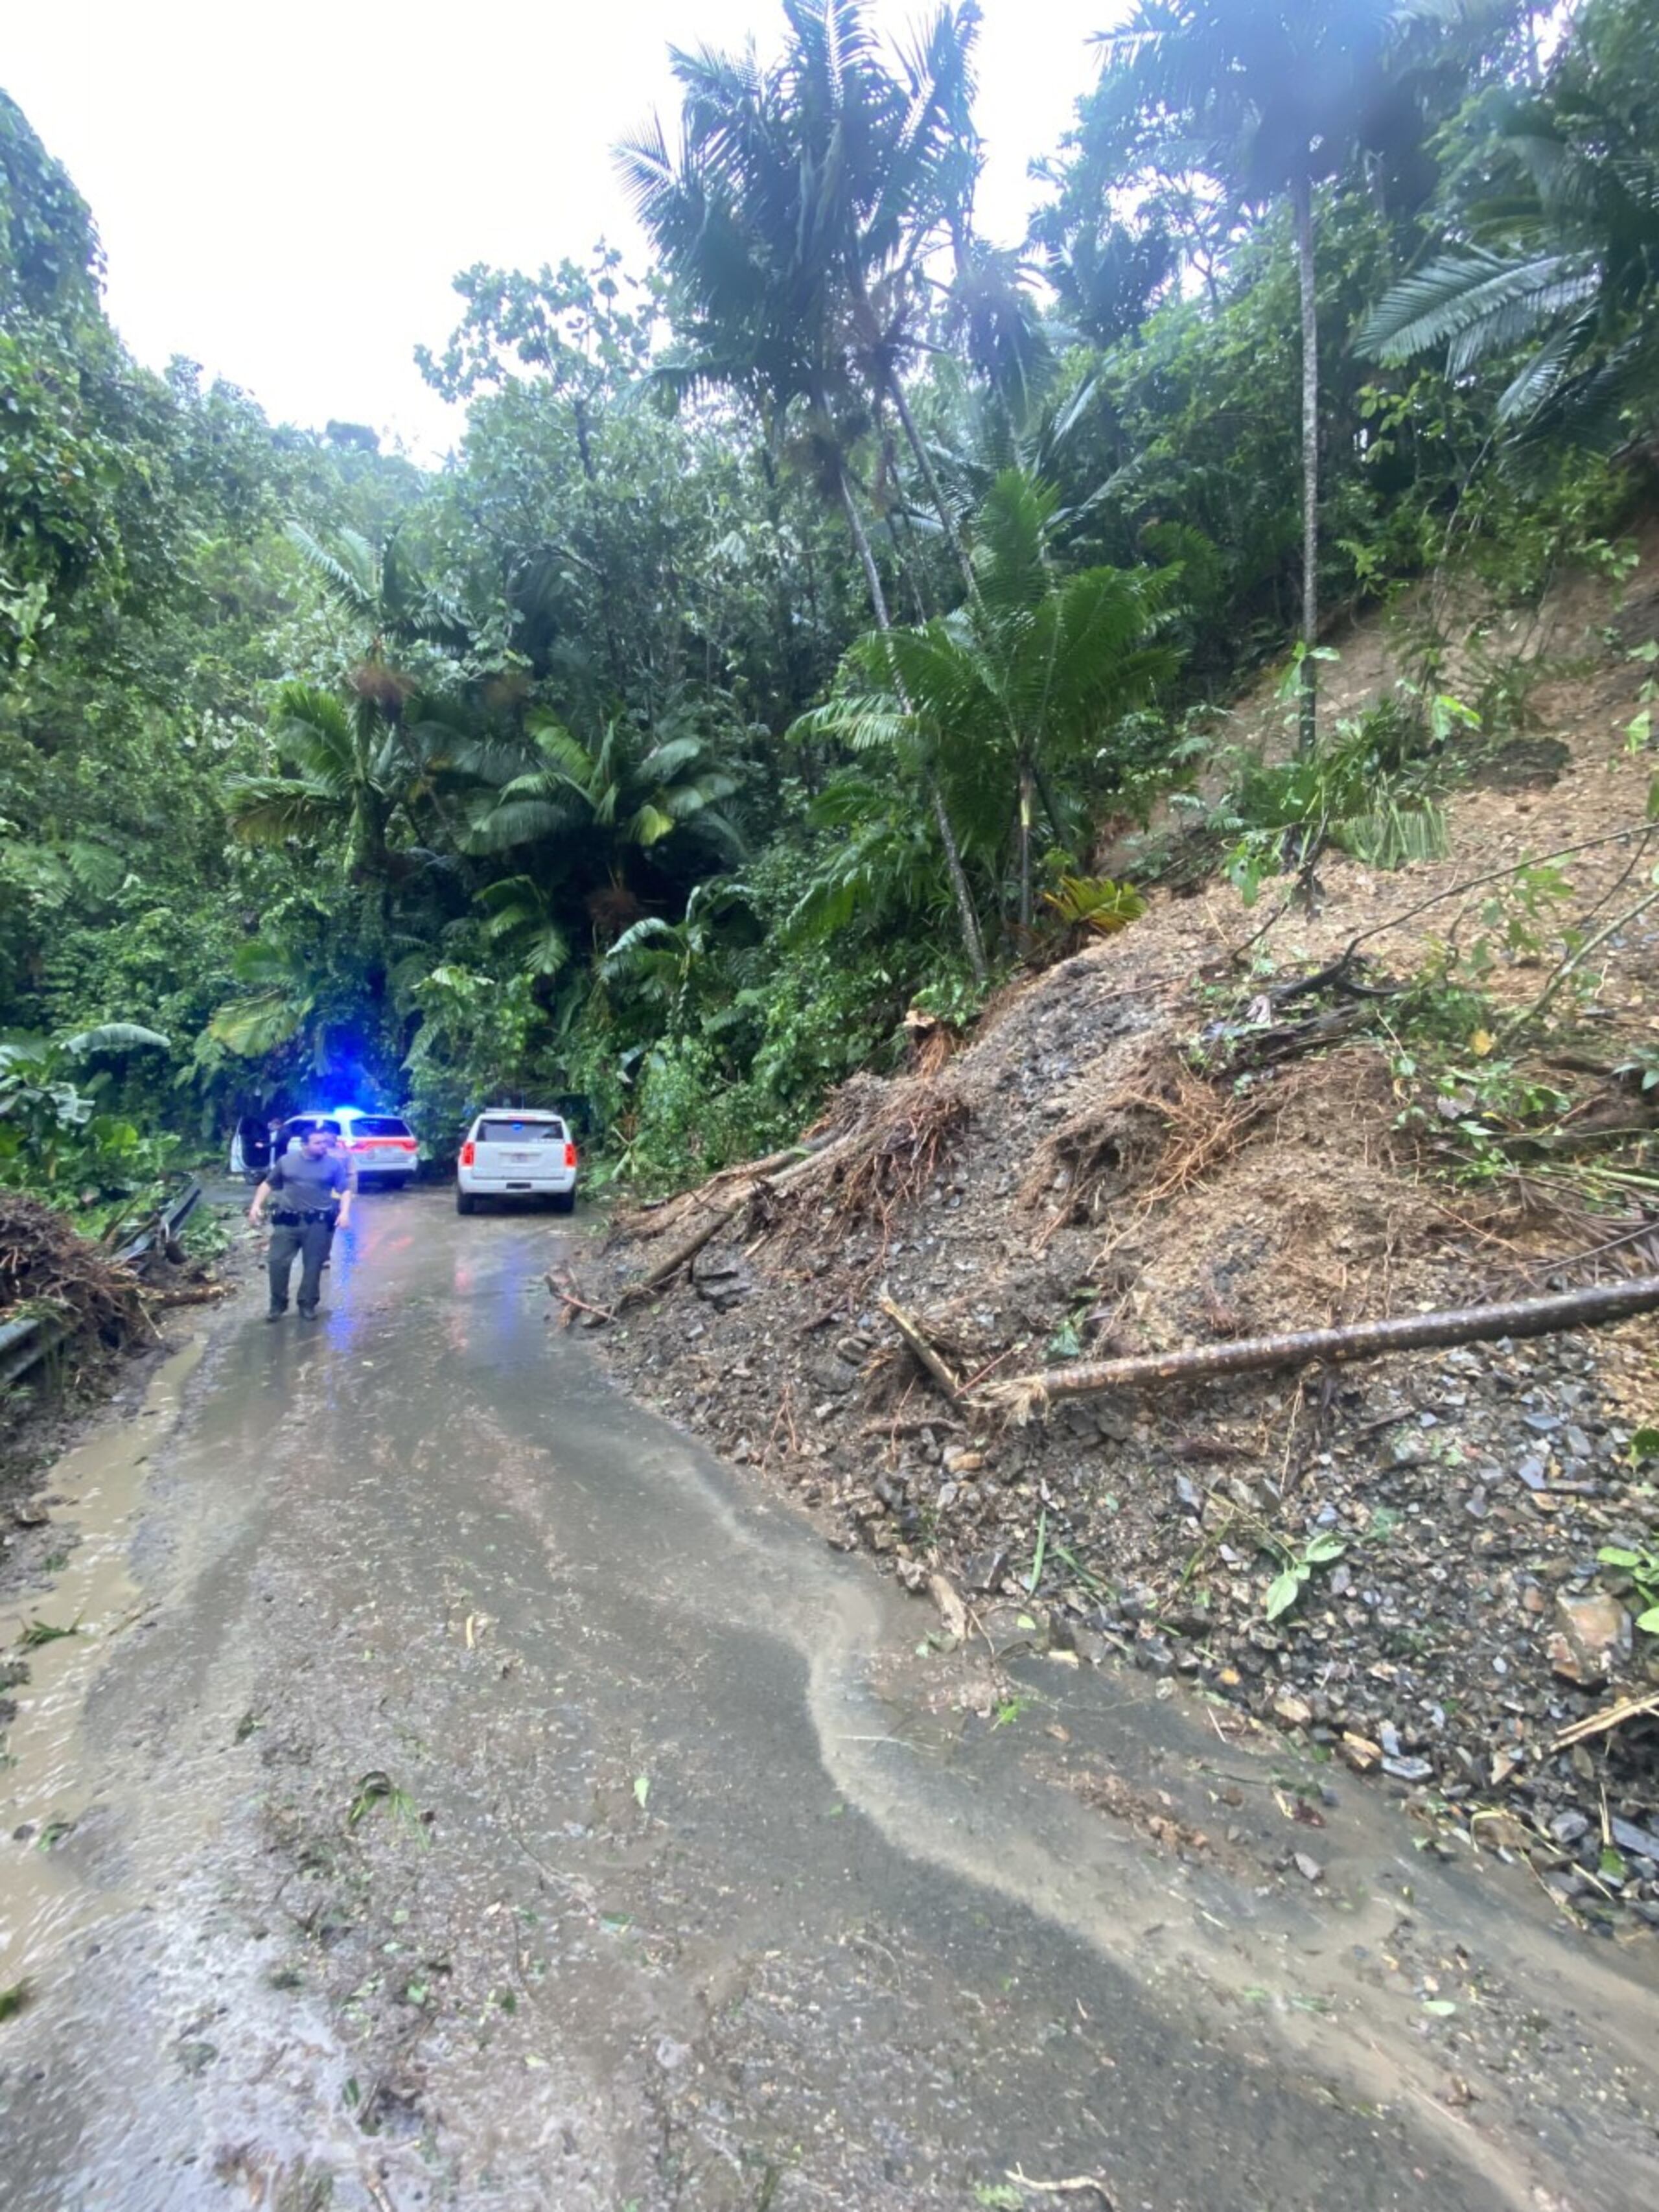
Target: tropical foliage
[[794, 610]]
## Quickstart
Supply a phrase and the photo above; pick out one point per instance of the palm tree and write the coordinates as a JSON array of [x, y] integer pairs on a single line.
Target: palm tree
[[879, 867], [519, 913], [602, 802], [664, 961], [380, 588], [1027, 677], [1268, 97], [795, 219], [354, 759], [281, 997], [1563, 268], [348, 764]]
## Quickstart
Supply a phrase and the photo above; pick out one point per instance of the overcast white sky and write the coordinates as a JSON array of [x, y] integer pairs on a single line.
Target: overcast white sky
[[284, 192]]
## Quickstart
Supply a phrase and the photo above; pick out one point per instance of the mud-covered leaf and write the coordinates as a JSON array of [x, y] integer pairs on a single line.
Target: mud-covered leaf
[[1283, 1592]]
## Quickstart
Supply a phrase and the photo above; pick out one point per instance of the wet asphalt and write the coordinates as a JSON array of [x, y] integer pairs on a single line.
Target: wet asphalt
[[497, 1803]]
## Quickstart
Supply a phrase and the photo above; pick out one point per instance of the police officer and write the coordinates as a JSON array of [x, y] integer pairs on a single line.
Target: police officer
[[313, 1186]]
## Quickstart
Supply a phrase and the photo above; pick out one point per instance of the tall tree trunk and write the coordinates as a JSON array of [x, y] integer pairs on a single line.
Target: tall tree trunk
[[1025, 798], [1301, 197], [924, 461], [972, 944], [885, 378], [905, 560]]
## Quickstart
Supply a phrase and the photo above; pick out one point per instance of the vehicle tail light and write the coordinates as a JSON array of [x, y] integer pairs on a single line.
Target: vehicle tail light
[[570, 1156], [469, 1153], [404, 1144], [361, 1144]]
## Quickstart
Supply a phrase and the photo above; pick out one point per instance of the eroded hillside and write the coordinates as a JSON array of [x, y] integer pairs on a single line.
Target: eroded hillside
[[1165, 1140]]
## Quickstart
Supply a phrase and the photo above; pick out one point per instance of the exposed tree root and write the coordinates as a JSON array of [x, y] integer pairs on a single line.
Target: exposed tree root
[[889, 1160], [1160, 1132]]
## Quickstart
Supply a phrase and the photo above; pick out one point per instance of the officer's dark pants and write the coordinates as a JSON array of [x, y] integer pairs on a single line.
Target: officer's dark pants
[[309, 1243]]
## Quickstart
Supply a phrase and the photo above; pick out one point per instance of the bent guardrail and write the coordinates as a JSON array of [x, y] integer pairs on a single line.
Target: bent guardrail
[[24, 1343]]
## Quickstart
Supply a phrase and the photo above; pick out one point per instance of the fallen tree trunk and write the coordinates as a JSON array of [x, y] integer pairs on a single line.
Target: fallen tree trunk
[[193, 1294], [637, 1226], [686, 1250], [1237, 1047], [758, 1178], [1023, 1395]]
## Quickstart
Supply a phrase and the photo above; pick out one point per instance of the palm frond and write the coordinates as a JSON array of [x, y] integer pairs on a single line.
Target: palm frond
[[651, 931], [269, 810], [310, 727], [1477, 302], [114, 1036], [862, 720], [351, 574], [511, 821]]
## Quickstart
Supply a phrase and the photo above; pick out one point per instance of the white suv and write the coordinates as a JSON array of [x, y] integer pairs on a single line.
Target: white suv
[[511, 1151], [382, 1147]]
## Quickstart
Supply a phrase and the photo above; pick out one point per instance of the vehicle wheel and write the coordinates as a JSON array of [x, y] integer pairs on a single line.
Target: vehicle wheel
[[564, 1201], [465, 1202]]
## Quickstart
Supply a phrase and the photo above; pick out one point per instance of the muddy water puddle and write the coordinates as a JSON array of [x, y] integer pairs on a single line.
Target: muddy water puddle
[[46, 1786], [503, 1806]]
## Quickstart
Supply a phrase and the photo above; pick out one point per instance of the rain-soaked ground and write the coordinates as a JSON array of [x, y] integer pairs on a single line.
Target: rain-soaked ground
[[466, 1793]]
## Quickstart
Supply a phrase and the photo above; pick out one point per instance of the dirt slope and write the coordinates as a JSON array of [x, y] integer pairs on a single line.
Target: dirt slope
[[1067, 1184]]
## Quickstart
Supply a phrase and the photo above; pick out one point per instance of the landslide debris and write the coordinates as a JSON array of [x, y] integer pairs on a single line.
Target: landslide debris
[[46, 1267], [1398, 1564]]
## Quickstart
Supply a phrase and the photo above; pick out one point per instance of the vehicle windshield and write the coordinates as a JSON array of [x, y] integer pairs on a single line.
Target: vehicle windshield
[[520, 1133], [378, 1125], [303, 1126]]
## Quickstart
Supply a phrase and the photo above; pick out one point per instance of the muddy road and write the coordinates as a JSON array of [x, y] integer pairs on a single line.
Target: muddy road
[[464, 1792]]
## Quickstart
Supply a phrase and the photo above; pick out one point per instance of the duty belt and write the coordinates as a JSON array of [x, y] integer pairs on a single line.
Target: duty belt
[[311, 1213]]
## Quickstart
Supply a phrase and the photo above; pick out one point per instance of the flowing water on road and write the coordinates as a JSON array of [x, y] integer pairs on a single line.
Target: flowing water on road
[[488, 1801]]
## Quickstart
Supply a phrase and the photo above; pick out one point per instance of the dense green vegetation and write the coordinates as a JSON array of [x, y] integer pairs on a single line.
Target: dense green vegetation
[[795, 609]]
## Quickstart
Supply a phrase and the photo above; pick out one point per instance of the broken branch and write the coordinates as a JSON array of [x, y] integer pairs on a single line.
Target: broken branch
[[685, 1251], [1077, 2185], [1256, 1047], [1366, 1339], [911, 1330], [1493, 876], [1575, 960], [568, 1298], [1610, 1716]]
